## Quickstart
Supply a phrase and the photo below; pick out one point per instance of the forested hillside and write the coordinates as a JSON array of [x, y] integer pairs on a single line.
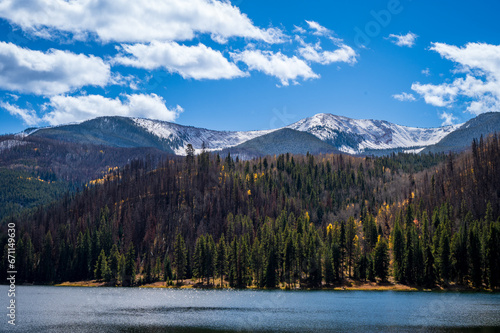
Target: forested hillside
[[287, 220], [36, 170], [21, 191]]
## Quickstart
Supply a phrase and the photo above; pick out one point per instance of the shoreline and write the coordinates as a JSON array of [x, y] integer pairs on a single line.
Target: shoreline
[[364, 286]]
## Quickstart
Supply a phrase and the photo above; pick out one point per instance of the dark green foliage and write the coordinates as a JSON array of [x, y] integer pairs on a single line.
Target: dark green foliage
[[114, 261], [285, 221], [381, 260], [398, 246], [21, 191], [46, 267], [221, 261], [102, 270], [167, 268], [493, 255], [129, 270], [180, 258], [444, 255]]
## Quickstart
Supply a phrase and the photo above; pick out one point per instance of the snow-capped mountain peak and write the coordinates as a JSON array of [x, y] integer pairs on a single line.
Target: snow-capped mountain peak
[[358, 135], [179, 136], [354, 136]]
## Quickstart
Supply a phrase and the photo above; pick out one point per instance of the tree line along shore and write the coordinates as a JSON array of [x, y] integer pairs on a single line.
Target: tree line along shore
[[286, 221]]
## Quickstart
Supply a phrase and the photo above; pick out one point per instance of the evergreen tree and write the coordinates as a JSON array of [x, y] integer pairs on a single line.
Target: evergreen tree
[[459, 254], [114, 259], [210, 259], [493, 255], [350, 235], [128, 277], [46, 270], [167, 268], [101, 270], [270, 273], [370, 273], [444, 256], [180, 256], [429, 278], [199, 258], [381, 259], [342, 249], [398, 247], [409, 255], [429, 272], [221, 259]]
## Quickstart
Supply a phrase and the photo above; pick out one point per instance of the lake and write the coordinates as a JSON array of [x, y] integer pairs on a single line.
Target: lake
[[134, 310]]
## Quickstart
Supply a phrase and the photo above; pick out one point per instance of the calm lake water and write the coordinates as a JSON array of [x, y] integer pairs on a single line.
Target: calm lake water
[[74, 310]]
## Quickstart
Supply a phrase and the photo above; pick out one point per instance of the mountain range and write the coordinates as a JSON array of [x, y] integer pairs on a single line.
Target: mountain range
[[38, 164], [325, 133]]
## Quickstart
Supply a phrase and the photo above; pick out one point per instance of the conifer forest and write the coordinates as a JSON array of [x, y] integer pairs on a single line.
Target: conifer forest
[[286, 221]]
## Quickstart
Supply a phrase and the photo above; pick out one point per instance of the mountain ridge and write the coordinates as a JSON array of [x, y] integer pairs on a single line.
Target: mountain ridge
[[343, 134]]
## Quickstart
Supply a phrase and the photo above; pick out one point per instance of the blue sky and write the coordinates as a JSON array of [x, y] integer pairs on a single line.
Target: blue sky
[[247, 64]]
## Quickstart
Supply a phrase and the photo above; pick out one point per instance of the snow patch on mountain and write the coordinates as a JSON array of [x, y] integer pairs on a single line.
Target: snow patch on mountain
[[8, 144], [363, 134], [178, 136]]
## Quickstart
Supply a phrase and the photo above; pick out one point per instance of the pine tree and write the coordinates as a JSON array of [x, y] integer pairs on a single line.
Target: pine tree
[[350, 243], [342, 249], [289, 257], [101, 270], [444, 256], [419, 261], [114, 259], [493, 255], [180, 256], [189, 154], [167, 268], [46, 266], [409, 256], [233, 263], [429, 278], [370, 273], [128, 277], [210, 258], [270, 273], [475, 258], [199, 258], [398, 246], [459, 254], [221, 259], [381, 259]]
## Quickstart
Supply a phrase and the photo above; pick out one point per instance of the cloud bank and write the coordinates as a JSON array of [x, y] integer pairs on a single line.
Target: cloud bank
[[276, 64], [479, 88], [68, 109], [135, 21], [49, 73], [196, 62]]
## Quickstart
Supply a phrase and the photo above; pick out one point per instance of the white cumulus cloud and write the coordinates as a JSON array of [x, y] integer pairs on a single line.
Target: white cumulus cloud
[[479, 88], [448, 118], [318, 29], [197, 62], [68, 109], [403, 40], [29, 117], [49, 73], [135, 21], [404, 97], [276, 64], [315, 53]]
